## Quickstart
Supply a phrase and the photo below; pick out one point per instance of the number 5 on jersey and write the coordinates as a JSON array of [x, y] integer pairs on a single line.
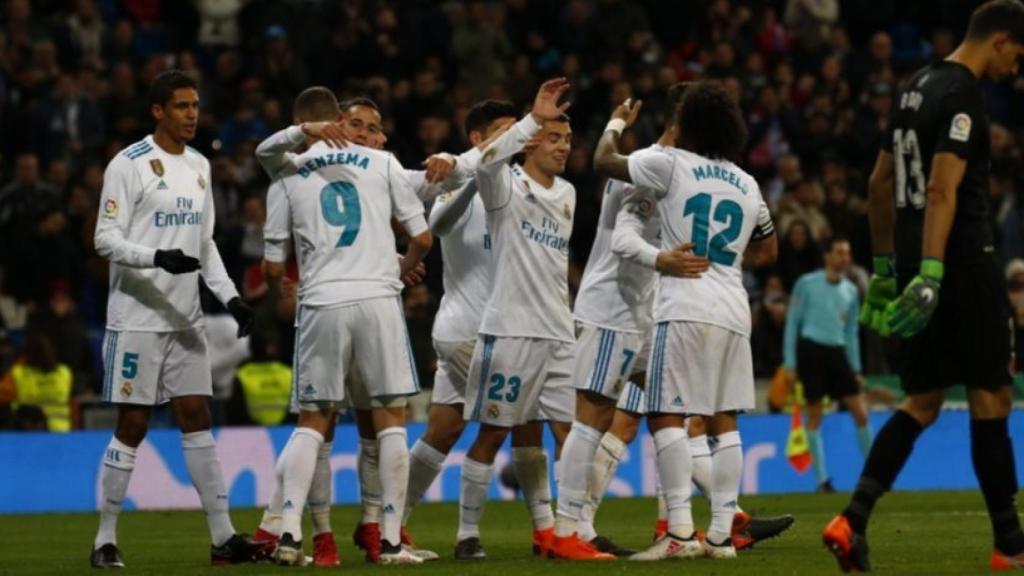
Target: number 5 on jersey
[[339, 203]]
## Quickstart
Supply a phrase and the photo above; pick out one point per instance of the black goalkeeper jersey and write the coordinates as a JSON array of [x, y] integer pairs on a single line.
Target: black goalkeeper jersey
[[941, 109]]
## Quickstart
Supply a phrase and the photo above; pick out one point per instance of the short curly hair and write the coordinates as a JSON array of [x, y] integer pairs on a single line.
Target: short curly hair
[[710, 122]]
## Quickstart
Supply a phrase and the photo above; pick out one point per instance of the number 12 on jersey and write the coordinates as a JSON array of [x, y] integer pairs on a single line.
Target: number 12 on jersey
[[726, 212], [339, 203]]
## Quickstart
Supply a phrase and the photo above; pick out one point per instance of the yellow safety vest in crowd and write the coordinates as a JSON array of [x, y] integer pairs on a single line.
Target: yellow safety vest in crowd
[[267, 387], [51, 391]]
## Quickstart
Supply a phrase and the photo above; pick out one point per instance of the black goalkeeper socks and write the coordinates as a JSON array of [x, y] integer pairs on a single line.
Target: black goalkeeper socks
[[992, 454], [889, 452]]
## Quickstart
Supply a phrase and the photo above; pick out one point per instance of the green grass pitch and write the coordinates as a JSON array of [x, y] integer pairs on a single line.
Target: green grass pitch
[[912, 533]]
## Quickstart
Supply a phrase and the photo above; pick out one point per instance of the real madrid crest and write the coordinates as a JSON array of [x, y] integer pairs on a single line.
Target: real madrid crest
[[567, 212], [202, 182], [126, 388], [493, 411], [157, 166]]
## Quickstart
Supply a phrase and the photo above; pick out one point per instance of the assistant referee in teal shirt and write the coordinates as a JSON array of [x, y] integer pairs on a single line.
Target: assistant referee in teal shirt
[[822, 348]]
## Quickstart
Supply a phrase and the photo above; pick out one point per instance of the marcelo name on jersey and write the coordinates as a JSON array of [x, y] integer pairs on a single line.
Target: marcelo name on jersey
[[183, 216], [332, 159]]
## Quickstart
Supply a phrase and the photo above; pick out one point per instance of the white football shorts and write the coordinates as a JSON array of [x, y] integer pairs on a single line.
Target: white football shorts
[[699, 369], [150, 368]]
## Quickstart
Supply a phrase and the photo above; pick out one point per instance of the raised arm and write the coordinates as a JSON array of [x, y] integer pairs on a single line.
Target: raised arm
[[450, 208], [275, 153], [607, 159]]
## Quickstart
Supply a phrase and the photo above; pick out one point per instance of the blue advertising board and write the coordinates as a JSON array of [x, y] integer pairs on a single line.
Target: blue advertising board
[[44, 472]]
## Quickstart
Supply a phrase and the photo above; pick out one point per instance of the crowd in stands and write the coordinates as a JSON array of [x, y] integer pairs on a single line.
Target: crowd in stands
[[816, 79]]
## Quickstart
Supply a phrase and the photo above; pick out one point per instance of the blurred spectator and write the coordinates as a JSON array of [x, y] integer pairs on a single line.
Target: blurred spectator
[[262, 388], [803, 203], [39, 380], [798, 254], [811, 20], [67, 124], [23, 201], [63, 328]]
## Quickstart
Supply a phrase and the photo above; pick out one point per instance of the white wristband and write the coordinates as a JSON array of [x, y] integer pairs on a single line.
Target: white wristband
[[616, 125]]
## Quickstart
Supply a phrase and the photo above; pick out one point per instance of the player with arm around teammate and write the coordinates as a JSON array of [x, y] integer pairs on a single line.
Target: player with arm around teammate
[[338, 205], [700, 361]]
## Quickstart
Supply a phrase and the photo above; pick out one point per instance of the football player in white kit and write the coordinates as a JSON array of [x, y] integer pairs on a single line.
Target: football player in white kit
[[458, 219], [525, 341], [631, 405], [156, 222], [358, 121], [350, 319], [613, 319], [700, 362]]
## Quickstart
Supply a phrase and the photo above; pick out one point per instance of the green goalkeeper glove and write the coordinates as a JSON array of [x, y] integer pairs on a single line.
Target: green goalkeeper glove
[[910, 313], [881, 291]]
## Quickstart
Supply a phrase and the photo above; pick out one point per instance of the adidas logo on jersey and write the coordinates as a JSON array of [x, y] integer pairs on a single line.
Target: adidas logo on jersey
[[162, 185], [677, 401], [309, 390]]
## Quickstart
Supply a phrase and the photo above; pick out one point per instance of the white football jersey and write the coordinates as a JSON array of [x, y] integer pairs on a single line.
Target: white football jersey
[[616, 293], [154, 200], [718, 207], [530, 226], [466, 253], [338, 204]]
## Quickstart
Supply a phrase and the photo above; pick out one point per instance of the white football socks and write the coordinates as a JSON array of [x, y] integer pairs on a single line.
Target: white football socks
[[208, 478], [298, 460], [118, 463], [606, 463], [368, 466], [579, 448], [673, 453], [476, 480], [425, 464], [394, 479], [531, 466], [700, 458], [727, 468], [320, 491]]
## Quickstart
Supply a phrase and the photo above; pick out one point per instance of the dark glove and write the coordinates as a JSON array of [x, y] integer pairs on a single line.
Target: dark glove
[[243, 315], [175, 261]]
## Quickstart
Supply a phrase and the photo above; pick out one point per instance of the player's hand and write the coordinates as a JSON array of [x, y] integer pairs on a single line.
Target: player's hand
[[627, 111], [910, 313], [545, 105], [438, 167], [415, 276], [175, 261], [681, 262], [881, 291], [405, 267], [330, 132], [243, 316]]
